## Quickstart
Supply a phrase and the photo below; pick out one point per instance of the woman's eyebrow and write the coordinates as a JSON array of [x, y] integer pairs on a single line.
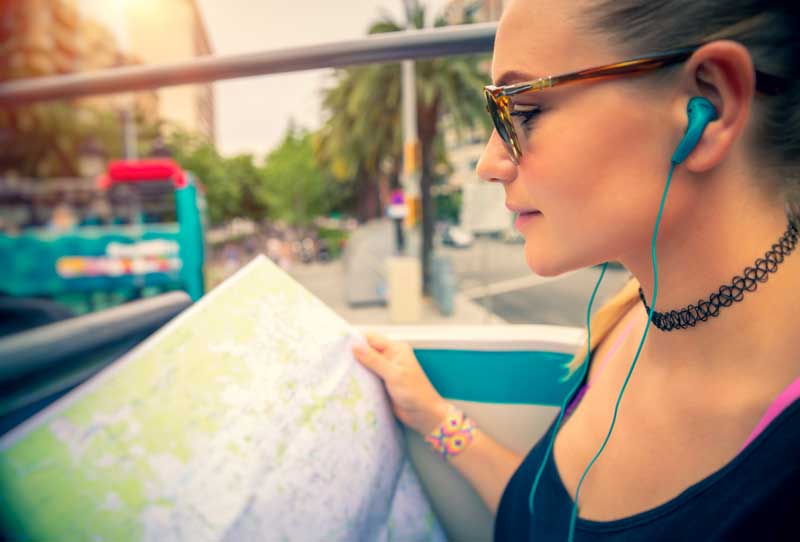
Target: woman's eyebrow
[[514, 76]]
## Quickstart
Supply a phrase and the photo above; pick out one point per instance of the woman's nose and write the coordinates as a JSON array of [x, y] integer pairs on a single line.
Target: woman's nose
[[495, 164]]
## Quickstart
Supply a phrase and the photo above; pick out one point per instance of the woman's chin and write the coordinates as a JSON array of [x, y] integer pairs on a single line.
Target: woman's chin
[[541, 264]]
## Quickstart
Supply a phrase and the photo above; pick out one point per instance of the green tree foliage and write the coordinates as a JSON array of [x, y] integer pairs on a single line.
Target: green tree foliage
[[288, 187], [363, 128], [362, 131], [295, 188], [44, 140], [47, 139], [224, 191]]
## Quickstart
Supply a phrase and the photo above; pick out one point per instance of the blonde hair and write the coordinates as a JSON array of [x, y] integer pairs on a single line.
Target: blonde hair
[[606, 318]]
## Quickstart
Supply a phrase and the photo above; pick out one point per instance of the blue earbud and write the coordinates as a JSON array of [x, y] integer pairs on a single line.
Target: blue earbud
[[701, 112]]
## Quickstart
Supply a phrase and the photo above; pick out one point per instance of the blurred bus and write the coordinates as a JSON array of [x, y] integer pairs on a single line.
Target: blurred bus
[[138, 233]]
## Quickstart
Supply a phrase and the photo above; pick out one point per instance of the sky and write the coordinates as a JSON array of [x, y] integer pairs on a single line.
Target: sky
[[253, 113]]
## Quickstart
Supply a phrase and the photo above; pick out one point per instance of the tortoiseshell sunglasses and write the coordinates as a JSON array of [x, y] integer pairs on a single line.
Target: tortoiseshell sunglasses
[[498, 99]]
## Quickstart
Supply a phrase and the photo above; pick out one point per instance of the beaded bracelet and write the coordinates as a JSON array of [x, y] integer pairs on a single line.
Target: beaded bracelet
[[453, 435]]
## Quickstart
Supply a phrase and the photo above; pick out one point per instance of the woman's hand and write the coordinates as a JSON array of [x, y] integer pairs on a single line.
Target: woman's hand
[[414, 400]]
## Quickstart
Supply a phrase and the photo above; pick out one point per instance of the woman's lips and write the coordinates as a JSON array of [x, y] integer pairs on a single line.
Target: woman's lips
[[526, 218]]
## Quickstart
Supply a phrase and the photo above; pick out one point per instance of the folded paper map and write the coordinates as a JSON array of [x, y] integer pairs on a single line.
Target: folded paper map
[[245, 418]]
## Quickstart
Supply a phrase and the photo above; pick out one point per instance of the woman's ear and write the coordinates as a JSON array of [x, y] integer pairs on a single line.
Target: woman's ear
[[721, 71]]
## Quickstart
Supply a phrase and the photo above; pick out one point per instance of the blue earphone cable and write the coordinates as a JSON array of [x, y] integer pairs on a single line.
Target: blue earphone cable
[[584, 368], [700, 111], [574, 516]]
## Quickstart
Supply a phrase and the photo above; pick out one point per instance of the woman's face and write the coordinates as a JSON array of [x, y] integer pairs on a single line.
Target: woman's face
[[595, 160]]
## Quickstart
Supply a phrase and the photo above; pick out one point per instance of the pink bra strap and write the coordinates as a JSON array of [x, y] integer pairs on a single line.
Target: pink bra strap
[[784, 399], [788, 396]]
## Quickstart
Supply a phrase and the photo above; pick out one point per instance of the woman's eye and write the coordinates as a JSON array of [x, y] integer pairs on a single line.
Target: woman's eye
[[526, 113]]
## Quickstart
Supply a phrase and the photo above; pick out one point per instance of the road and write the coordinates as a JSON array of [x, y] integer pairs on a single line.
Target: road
[[494, 274]]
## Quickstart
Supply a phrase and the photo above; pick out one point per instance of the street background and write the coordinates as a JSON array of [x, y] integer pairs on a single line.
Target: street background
[[494, 286]]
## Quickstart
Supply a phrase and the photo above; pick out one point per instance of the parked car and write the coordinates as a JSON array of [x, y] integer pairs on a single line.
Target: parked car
[[512, 236], [455, 236]]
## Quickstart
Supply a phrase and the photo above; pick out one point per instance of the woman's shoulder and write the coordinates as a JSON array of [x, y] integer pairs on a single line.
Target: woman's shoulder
[[615, 340]]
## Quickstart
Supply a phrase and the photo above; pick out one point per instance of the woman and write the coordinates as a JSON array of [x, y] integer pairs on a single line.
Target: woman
[[706, 439]]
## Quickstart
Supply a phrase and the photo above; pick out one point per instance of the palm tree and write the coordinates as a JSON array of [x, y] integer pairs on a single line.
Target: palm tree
[[362, 131], [361, 135]]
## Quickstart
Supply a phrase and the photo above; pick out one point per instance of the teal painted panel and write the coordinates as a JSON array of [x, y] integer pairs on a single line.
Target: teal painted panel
[[191, 239], [31, 259], [509, 377]]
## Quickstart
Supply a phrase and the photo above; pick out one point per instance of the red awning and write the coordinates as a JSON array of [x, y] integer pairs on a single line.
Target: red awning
[[132, 171]]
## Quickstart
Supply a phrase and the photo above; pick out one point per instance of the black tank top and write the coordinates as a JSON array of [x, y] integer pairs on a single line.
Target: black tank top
[[755, 497]]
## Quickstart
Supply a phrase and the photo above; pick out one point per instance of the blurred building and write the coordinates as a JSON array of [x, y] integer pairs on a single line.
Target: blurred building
[[164, 31], [100, 50], [38, 37], [51, 37]]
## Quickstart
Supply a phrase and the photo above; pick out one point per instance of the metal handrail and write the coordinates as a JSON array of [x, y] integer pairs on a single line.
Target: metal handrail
[[390, 47]]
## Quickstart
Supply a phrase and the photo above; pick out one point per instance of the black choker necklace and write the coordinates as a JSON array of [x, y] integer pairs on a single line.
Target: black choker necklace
[[688, 317]]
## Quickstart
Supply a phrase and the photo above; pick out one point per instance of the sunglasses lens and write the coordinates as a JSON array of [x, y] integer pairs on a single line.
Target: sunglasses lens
[[503, 129]]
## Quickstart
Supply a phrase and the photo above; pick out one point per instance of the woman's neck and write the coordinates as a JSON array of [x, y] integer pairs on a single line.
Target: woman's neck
[[757, 334]]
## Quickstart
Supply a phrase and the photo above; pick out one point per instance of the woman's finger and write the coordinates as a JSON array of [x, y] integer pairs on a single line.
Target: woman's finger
[[371, 359], [378, 342]]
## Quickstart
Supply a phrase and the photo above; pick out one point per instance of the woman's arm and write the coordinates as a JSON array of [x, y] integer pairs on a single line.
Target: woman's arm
[[485, 464]]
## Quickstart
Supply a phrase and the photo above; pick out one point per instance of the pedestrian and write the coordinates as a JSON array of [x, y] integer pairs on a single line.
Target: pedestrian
[[689, 151], [285, 255]]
